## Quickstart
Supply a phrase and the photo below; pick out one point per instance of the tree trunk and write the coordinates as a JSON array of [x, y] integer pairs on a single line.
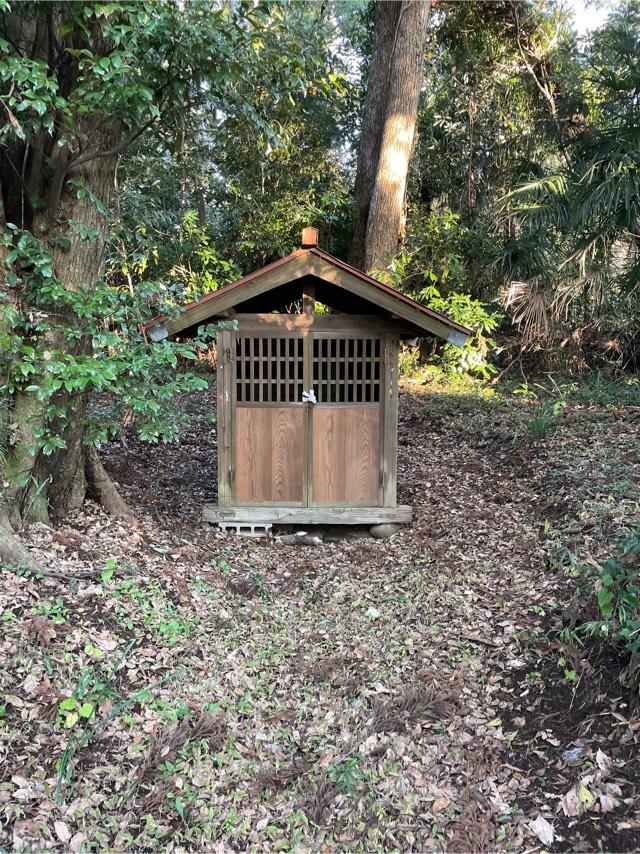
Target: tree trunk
[[12, 552], [48, 487], [388, 129], [101, 488], [385, 25], [34, 486]]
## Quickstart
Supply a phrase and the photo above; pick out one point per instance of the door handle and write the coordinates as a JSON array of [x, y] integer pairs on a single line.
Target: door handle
[[309, 396]]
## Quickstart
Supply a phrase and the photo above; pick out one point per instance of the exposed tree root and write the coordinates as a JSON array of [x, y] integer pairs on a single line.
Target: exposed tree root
[[99, 486], [12, 552], [102, 488]]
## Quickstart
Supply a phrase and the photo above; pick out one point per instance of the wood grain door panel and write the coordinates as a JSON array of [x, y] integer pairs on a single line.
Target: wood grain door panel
[[346, 455], [327, 452], [270, 455]]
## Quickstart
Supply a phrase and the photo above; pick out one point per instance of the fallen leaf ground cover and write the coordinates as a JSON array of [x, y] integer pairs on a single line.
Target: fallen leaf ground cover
[[165, 685]]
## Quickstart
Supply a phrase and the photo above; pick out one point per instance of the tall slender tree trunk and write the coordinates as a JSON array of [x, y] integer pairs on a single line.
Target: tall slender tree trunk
[[388, 128], [384, 29]]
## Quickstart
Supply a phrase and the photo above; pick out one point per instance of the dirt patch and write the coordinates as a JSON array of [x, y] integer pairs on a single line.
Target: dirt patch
[[577, 735]]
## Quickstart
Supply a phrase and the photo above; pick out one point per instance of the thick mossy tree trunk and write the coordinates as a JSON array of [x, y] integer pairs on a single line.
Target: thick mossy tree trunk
[[60, 197], [388, 127], [46, 487], [43, 487]]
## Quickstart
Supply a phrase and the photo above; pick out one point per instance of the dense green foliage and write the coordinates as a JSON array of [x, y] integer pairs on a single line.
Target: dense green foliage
[[618, 593], [237, 125], [576, 257], [174, 84]]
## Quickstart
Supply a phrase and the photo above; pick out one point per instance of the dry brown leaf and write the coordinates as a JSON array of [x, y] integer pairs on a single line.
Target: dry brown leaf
[[62, 831], [440, 804]]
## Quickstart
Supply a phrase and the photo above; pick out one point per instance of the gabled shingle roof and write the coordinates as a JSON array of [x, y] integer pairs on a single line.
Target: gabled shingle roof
[[321, 265]]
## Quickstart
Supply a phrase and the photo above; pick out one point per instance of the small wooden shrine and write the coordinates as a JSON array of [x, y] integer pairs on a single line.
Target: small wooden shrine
[[308, 390]]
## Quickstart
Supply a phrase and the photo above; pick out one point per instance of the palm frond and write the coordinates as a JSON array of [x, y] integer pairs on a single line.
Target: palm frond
[[594, 282], [527, 302]]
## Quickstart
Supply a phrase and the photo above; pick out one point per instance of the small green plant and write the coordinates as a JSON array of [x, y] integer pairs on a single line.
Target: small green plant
[[222, 566], [92, 689], [569, 638], [172, 626], [22, 570], [71, 710], [231, 820], [346, 774], [543, 422], [524, 390], [180, 802], [569, 673], [618, 592], [53, 609], [81, 737], [257, 580], [110, 567], [562, 558]]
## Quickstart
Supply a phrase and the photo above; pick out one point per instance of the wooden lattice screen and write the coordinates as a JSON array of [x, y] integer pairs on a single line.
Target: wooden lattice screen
[[346, 370], [271, 370]]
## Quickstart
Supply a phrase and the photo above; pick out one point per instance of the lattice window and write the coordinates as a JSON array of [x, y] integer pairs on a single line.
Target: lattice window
[[346, 370], [269, 370]]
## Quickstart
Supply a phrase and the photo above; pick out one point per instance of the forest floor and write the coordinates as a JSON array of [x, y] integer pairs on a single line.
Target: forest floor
[[166, 685]]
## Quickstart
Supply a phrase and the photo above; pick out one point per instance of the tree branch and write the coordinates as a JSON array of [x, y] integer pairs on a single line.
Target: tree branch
[[544, 90], [117, 149]]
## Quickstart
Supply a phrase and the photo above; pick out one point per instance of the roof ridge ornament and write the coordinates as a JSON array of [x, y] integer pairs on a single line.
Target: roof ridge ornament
[[309, 237]]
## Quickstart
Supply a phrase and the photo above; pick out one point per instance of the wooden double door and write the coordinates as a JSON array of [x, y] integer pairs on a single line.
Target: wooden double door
[[307, 424]]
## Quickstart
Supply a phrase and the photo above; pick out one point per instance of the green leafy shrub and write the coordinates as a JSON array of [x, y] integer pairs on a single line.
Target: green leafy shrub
[[473, 357], [618, 591], [408, 360], [433, 252], [432, 269], [186, 262], [140, 378]]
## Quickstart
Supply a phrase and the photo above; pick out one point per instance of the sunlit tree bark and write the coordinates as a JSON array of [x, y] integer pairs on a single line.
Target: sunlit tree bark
[[386, 22], [391, 108]]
